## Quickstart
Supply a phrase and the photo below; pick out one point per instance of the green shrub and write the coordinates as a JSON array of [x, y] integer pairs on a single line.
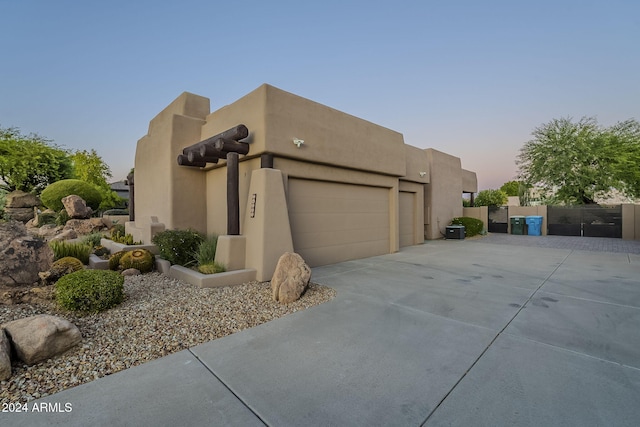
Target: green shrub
[[211, 268], [52, 196], [206, 252], [140, 259], [92, 239], [90, 290], [78, 250], [472, 226], [178, 246], [62, 217]]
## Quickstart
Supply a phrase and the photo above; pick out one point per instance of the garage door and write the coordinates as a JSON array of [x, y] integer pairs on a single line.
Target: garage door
[[407, 216], [332, 222]]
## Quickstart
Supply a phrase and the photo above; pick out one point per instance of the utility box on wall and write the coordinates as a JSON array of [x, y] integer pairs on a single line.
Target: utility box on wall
[[456, 232]]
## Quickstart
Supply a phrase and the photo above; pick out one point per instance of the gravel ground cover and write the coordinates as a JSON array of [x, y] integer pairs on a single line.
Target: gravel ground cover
[[160, 316]]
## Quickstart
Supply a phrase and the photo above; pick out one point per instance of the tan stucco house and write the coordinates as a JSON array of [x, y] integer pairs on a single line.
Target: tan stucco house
[[317, 181]]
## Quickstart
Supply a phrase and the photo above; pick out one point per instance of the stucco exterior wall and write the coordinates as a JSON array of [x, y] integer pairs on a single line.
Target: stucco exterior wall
[[478, 212], [417, 191], [631, 222], [469, 181], [163, 188], [443, 194]]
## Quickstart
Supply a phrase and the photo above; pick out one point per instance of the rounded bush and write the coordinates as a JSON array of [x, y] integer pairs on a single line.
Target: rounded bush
[[52, 196], [472, 226], [140, 259], [90, 290]]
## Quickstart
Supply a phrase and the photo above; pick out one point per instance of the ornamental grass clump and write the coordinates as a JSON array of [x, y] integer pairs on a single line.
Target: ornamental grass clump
[[206, 252], [178, 246], [78, 250], [90, 290]]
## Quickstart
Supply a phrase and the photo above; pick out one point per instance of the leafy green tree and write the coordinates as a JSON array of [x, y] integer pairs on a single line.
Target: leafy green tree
[[576, 161], [88, 166], [511, 188], [490, 198], [30, 162]]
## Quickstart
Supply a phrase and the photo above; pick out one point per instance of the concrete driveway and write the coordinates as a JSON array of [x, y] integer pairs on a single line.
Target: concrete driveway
[[464, 333]]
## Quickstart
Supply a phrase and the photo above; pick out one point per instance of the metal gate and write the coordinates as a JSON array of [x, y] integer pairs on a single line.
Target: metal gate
[[588, 221], [498, 219]]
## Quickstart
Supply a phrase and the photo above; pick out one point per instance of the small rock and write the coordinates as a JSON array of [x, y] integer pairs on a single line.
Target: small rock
[[290, 278], [5, 356], [131, 272], [6, 297], [76, 207], [41, 337]]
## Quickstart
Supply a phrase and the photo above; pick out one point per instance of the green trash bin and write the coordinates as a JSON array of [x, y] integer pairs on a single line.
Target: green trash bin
[[517, 224]]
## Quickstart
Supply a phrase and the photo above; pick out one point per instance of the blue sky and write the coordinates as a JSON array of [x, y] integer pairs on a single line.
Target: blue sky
[[469, 78]]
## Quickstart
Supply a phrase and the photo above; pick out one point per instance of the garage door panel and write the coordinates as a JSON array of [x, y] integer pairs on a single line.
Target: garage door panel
[[335, 204], [332, 222], [330, 254], [338, 221], [343, 237]]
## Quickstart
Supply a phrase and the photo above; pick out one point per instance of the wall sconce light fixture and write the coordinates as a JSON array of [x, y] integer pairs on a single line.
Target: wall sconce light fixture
[[298, 142], [423, 174]]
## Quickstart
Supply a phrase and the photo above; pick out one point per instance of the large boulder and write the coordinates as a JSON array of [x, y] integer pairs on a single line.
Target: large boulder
[[20, 214], [22, 256], [41, 337], [20, 199], [290, 278], [5, 356], [19, 205], [76, 207]]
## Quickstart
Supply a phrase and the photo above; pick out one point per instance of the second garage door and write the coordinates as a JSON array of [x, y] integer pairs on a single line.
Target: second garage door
[[333, 222]]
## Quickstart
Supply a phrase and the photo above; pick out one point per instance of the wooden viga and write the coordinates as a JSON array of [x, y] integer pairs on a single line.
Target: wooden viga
[[225, 145], [217, 147]]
